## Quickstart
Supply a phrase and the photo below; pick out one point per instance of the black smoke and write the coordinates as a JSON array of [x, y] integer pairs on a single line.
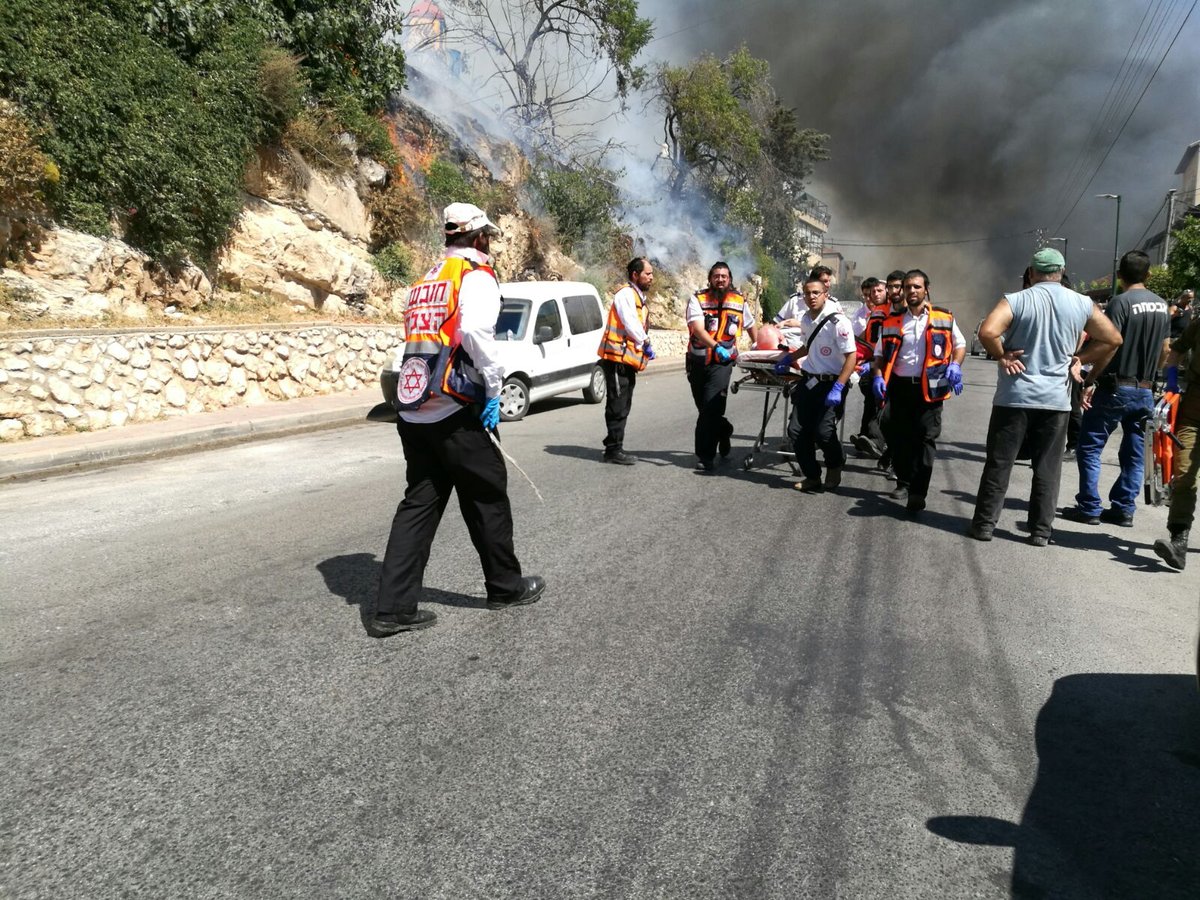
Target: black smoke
[[960, 120]]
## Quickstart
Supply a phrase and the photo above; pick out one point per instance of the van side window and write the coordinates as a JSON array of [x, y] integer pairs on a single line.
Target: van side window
[[583, 314], [548, 317]]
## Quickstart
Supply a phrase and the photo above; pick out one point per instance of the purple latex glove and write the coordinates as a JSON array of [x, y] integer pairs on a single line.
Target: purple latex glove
[[954, 376], [879, 387], [834, 397], [1173, 379], [864, 370], [648, 350], [783, 365]]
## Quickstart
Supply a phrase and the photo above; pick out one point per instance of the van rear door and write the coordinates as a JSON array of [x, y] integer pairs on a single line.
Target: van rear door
[[585, 319]]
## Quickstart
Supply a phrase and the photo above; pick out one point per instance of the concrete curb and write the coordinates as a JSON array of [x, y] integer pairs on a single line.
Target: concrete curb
[[61, 454]]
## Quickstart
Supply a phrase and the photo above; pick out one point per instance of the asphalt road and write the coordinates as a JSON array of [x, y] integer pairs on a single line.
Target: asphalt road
[[730, 689]]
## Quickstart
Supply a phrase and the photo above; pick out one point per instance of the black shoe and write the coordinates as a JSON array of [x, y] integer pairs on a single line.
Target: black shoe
[[530, 593], [723, 446], [809, 486], [620, 458], [1038, 540], [1114, 516], [394, 623], [1075, 514], [833, 478], [915, 504], [1174, 551], [705, 467], [868, 447], [900, 493], [980, 532]]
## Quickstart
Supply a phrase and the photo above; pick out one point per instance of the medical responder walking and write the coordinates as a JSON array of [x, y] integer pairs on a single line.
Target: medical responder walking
[[1173, 550], [1040, 327], [818, 399], [866, 324], [624, 351], [1121, 394], [716, 317], [448, 400], [918, 362]]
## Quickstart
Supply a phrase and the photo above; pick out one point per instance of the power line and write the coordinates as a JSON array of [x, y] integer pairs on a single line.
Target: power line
[[978, 240], [1104, 158], [1153, 219]]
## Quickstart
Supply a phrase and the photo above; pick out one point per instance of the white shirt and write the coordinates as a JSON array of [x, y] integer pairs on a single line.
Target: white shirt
[[479, 305], [910, 360], [859, 320], [827, 353], [795, 308], [625, 303]]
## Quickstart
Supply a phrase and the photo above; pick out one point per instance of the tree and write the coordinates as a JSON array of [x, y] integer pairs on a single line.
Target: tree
[[553, 58], [732, 141], [1184, 260]]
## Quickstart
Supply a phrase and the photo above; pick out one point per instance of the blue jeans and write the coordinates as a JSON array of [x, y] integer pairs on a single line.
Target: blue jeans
[[1125, 406]]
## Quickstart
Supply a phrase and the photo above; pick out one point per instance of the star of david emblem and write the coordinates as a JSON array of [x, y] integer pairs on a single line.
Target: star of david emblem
[[413, 381]]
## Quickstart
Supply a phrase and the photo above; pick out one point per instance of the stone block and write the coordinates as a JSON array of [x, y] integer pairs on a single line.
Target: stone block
[[97, 419], [254, 395], [290, 389], [80, 382], [16, 364], [63, 392], [118, 351], [299, 367], [98, 397], [140, 358], [39, 424], [98, 374], [37, 392], [283, 351], [237, 381], [11, 429], [176, 393], [177, 341], [215, 370], [189, 369], [152, 386], [13, 407], [43, 361], [118, 417]]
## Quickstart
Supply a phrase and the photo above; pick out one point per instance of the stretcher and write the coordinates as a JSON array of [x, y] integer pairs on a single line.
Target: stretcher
[[1160, 449], [760, 375]]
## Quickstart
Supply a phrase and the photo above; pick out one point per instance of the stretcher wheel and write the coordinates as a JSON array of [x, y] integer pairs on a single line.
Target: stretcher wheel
[[748, 462], [733, 388]]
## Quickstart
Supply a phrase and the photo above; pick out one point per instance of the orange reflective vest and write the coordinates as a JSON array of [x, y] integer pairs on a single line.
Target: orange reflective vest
[[723, 319], [616, 344], [434, 360], [939, 349], [875, 323]]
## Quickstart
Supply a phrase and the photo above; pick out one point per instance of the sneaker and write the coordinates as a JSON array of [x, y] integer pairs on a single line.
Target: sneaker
[[386, 625], [1075, 514], [1038, 540], [620, 458], [980, 532], [915, 504], [833, 478], [866, 445], [900, 493], [1114, 516], [705, 466], [809, 486], [534, 585]]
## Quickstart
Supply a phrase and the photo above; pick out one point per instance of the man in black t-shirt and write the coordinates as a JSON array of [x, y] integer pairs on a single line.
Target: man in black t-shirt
[[1181, 313], [1123, 394]]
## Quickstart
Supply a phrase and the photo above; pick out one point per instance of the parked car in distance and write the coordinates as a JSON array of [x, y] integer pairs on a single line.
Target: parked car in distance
[[977, 348], [547, 335]]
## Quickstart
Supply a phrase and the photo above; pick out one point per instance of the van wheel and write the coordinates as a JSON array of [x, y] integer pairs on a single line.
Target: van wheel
[[596, 391], [514, 400]]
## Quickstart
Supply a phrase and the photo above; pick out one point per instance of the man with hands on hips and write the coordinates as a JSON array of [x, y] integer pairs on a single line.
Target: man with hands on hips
[[818, 399], [448, 400]]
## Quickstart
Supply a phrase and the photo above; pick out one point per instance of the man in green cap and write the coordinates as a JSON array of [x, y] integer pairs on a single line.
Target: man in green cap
[[1034, 333]]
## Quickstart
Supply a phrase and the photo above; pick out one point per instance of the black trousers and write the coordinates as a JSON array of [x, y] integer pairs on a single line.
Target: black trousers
[[1076, 415], [619, 380], [911, 426], [455, 454], [710, 390], [870, 414], [1043, 430], [815, 425]]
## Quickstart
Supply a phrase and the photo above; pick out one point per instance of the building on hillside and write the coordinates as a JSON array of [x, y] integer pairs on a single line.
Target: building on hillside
[[1184, 205], [812, 224], [846, 281]]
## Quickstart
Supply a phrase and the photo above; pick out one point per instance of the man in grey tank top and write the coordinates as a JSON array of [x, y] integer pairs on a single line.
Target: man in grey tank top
[[1034, 333]]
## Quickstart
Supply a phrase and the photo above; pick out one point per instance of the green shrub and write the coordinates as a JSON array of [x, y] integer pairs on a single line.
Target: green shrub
[[395, 263], [398, 212], [24, 169], [283, 87], [583, 203], [314, 135], [137, 132], [445, 183], [370, 133]]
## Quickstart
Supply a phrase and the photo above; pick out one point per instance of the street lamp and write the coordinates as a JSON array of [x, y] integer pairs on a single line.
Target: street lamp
[[1116, 238], [1066, 247]]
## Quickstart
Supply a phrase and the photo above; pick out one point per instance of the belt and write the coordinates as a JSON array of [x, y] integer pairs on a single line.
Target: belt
[[908, 379], [1130, 381], [818, 377]]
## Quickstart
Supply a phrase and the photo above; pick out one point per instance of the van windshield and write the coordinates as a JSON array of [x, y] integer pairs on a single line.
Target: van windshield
[[513, 319]]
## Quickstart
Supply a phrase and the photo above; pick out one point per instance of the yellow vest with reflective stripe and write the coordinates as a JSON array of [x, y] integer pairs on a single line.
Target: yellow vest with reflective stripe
[[616, 345]]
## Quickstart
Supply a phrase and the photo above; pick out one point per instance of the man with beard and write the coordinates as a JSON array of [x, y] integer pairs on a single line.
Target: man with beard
[[624, 351], [918, 362], [716, 317]]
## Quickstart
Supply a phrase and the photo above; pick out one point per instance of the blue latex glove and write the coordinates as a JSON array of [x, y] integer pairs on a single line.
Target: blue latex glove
[[1173, 379], [834, 397], [648, 350], [879, 387], [722, 354], [864, 370], [783, 365], [490, 417], [954, 376]]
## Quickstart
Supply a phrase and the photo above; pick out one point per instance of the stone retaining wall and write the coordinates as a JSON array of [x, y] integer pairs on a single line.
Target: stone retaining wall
[[85, 381]]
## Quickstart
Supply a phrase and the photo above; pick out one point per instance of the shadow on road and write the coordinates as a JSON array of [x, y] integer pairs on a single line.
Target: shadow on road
[[355, 578], [678, 458], [1138, 556], [1113, 812]]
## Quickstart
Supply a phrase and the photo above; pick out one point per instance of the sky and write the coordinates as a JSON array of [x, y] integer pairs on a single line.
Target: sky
[[954, 121]]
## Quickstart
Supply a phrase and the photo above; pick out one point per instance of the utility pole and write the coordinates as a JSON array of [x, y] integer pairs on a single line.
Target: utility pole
[[1116, 240], [1166, 251]]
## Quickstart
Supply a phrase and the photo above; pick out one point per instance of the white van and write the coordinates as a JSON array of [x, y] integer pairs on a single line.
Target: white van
[[547, 335]]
